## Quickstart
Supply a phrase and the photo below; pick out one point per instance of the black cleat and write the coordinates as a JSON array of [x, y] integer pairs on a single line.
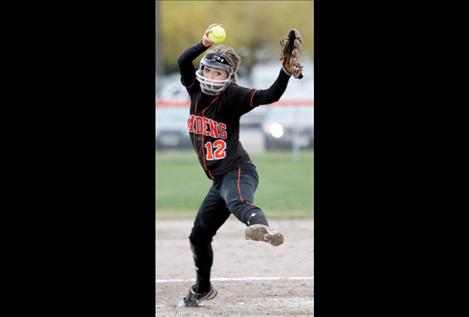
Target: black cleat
[[193, 299]]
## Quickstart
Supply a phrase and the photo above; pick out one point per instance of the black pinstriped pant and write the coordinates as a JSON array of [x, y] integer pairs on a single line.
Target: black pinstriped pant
[[232, 194]]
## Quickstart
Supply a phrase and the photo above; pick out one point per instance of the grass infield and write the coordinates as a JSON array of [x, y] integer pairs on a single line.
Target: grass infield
[[285, 185]]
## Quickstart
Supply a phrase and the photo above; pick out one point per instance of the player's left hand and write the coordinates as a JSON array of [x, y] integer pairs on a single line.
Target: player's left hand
[[290, 54]]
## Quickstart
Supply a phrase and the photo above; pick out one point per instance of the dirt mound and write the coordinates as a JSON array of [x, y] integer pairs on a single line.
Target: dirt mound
[[252, 278]]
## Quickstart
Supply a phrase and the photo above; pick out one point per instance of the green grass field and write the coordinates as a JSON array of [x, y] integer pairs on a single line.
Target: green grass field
[[285, 186]]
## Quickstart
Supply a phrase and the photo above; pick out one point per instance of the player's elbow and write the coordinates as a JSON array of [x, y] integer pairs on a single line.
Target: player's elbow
[[266, 99], [180, 62], [276, 97]]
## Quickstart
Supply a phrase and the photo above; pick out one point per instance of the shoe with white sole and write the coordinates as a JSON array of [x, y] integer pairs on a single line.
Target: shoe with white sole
[[263, 233], [193, 298]]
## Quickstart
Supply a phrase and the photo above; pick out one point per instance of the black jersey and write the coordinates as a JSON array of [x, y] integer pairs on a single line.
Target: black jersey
[[213, 122]]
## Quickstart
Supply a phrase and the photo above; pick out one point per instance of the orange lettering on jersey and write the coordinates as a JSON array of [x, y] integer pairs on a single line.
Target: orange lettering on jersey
[[190, 124], [213, 129], [199, 125], [206, 130], [222, 130], [206, 126]]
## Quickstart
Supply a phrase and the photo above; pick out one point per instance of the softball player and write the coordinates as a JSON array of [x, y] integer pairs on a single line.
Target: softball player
[[217, 103]]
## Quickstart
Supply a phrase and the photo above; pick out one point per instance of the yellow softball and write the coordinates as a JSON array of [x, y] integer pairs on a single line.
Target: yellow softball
[[217, 35]]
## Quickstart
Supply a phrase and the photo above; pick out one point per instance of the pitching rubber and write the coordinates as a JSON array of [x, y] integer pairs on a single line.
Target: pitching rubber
[[263, 233]]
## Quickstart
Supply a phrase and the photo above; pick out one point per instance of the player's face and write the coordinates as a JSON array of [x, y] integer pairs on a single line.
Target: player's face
[[213, 79], [215, 73]]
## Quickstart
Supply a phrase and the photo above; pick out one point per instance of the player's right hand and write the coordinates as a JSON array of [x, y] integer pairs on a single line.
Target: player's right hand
[[205, 40]]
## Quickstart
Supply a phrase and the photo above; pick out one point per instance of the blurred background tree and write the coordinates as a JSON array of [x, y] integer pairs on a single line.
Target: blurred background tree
[[253, 28]]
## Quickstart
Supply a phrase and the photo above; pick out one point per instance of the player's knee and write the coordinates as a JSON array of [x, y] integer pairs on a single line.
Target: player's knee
[[246, 212], [242, 208], [236, 205], [200, 235]]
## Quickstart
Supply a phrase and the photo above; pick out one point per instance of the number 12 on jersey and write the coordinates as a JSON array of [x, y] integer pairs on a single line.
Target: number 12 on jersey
[[215, 151]]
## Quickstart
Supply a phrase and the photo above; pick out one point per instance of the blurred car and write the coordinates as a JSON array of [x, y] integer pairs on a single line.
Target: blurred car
[[171, 128], [287, 127]]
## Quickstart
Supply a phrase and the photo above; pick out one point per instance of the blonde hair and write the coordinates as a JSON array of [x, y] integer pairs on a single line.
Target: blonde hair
[[230, 55]]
